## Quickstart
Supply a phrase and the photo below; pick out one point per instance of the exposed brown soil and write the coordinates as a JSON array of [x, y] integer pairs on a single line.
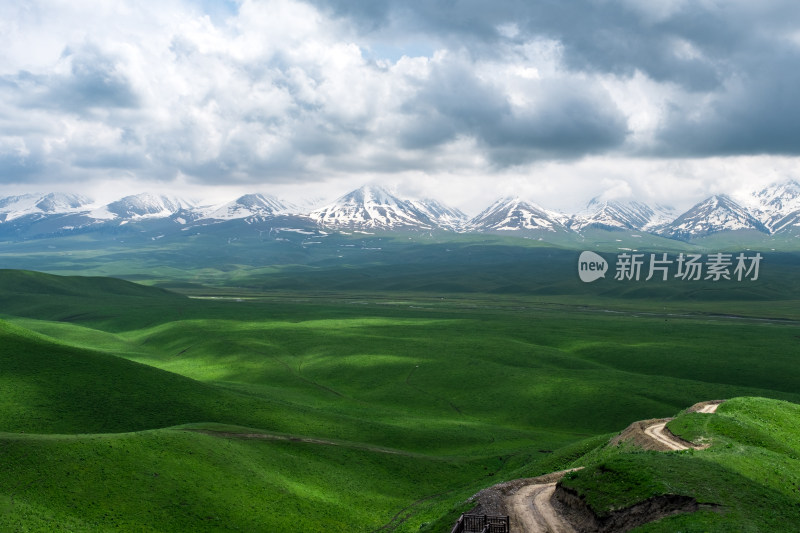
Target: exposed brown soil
[[652, 435], [705, 407], [541, 504], [636, 434], [527, 503], [584, 520], [493, 500], [533, 508]]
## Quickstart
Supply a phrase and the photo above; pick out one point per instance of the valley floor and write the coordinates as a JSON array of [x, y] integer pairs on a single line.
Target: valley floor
[[129, 407]]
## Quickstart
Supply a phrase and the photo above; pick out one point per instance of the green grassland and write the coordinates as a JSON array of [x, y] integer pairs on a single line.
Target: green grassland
[[380, 400], [747, 480], [258, 256]]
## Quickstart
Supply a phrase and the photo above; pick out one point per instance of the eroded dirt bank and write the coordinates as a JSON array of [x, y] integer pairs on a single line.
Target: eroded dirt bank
[[584, 520], [542, 505]]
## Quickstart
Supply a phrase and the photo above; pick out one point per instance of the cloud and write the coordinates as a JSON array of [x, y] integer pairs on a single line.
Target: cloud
[[511, 113], [756, 113], [729, 66], [17, 162], [85, 79], [281, 91]]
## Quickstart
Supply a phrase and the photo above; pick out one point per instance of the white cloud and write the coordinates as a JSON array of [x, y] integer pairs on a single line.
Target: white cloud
[[281, 94]]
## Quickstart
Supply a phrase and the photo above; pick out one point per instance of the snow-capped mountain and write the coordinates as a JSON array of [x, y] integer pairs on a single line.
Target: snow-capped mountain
[[249, 205], [618, 215], [510, 214], [712, 215], [147, 205], [785, 223], [376, 208], [771, 210], [442, 215], [13, 207], [777, 206]]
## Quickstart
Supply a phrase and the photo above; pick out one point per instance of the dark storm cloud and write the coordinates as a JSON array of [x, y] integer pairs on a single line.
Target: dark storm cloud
[[758, 114], [738, 56], [567, 119], [605, 36], [571, 124], [451, 102]]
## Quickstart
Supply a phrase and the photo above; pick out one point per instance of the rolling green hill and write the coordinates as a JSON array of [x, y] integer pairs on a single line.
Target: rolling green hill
[[143, 409], [746, 481]]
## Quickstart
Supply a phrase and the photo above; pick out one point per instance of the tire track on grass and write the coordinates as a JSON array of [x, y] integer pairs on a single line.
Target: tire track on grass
[[400, 518], [302, 439], [296, 373]]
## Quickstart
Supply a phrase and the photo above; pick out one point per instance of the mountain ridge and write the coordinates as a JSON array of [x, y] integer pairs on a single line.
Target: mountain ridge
[[773, 210]]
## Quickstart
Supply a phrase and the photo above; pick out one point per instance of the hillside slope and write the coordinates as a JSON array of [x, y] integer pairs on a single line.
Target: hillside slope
[[345, 413], [48, 387], [746, 480]]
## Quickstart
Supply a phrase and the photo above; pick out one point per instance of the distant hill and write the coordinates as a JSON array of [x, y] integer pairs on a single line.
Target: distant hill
[[48, 387], [30, 282], [772, 211]]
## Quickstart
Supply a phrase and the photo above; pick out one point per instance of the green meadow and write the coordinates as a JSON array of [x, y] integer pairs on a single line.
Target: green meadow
[[351, 399], [746, 480]]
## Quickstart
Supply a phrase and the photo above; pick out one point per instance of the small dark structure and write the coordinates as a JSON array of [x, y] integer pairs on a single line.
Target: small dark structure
[[481, 523]]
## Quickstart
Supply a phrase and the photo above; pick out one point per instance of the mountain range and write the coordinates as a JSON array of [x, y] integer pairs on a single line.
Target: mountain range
[[771, 211]]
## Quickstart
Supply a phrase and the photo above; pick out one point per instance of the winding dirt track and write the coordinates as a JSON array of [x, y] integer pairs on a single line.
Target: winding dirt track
[[709, 408], [659, 433], [531, 510]]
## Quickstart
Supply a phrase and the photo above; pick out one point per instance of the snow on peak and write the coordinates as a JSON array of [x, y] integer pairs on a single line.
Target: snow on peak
[[249, 205], [777, 206], [261, 202], [714, 214], [13, 207], [621, 215], [57, 202], [147, 205], [772, 209], [780, 196], [444, 216], [377, 208], [513, 213]]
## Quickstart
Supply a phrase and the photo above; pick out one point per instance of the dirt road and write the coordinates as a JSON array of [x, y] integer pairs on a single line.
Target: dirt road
[[530, 507], [531, 511], [659, 433]]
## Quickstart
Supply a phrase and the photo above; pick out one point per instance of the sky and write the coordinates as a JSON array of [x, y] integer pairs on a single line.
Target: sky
[[667, 101]]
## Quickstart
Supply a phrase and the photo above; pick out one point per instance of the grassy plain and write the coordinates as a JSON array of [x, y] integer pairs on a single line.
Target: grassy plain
[[371, 401], [747, 480]]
